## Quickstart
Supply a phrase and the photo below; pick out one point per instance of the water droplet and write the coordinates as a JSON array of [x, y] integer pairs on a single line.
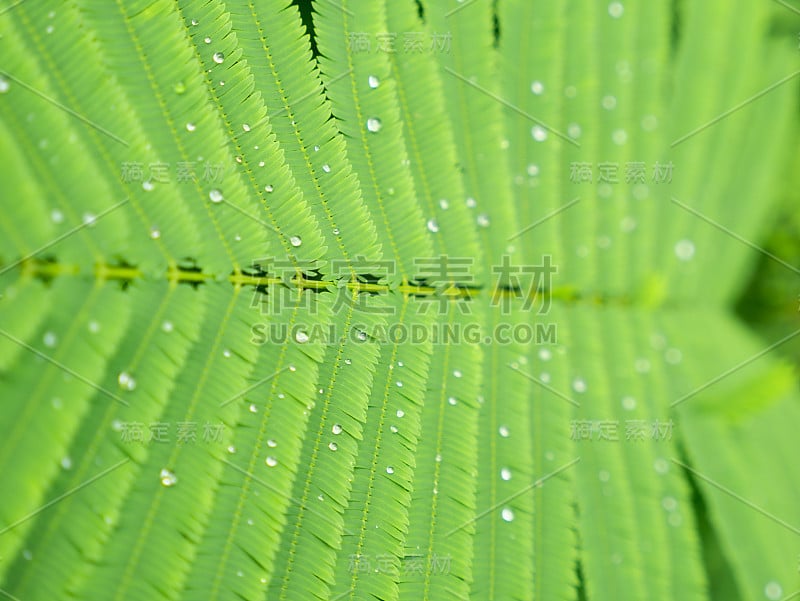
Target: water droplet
[[628, 403], [673, 356], [457, 373], [89, 219], [336, 231], [49, 29], [272, 443], [669, 503], [326, 168], [400, 413], [452, 400], [155, 233], [444, 204], [373, 82], [507, 514], [261, 163], [374, 125], [226, 353], [549, 455], [393, 429], [438, 458], [231, 449], [574, 130], [56, 216], [773, 590], [471, 203], [545, 377], [271, 461], [126, 381], [195, 22], [167, 326], [399, 384], [537, 87], [400, 364], [627, 224], [295, 241], [268, 188], [49, 339], [649, 122], [539, 133], [505, 474], [579, 385], [253, 408], [619, 137], [218, 57], [348, 361], [661, 466], [333, 446], [94, 327], [684, 250], [390, 470], [190, 126], [168, 478], [301, 337], [361, 335], [615, 9], [483, 220], [432, 226], [504, 432], [66, 463], [215, 195], [609, 102], [545, 354], [336, 429], [604, 476], [533, 170], [4, 85]]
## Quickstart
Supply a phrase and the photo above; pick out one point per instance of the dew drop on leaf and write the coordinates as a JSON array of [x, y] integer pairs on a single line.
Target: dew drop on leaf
[[433, 226], [389, 470], [268, 188], [629, 403], [400, 413], [49, 339], [452, 400], [168, 478], [190, 126], [374, 125], [615, 9], [684, 250], [504, 432], [333, 446], [207, 40], [373, 82], [579, 385], [126, 381], [505, 474], [167, 326], [272, 443], [4, 85], [336, 429], [444, 204], [179, 88], [326, 168], [773, 591], [271, 461], [483, 220], [56, 216], [301, 337], [539, 133], [155, 233], [215, 195], [507, 514]]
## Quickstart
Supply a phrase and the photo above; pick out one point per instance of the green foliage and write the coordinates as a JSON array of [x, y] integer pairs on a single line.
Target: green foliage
[[224, 371]]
